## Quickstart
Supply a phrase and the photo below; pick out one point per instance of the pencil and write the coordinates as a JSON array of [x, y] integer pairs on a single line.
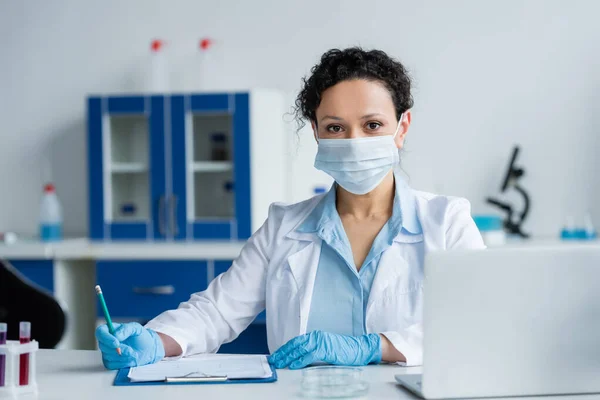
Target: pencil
[[111, 328]]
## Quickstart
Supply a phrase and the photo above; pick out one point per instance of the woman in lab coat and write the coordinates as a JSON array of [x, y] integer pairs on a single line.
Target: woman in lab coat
[[340, 274]]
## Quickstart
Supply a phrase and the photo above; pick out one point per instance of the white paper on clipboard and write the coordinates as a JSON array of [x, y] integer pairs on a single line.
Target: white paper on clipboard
[[231, 366]]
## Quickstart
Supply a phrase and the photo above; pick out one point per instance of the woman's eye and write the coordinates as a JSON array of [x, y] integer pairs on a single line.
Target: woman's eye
[[373, 125], [334, 128]]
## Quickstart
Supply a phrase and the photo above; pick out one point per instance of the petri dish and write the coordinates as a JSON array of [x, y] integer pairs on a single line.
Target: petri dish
[[331, 382]]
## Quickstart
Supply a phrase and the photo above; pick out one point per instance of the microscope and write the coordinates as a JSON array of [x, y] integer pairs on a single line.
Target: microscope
[[512, 222]]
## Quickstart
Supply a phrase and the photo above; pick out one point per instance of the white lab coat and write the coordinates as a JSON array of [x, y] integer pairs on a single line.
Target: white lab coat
[[277, 267]]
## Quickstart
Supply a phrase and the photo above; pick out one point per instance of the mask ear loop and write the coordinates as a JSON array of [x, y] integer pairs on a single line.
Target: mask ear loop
[[399, 125]]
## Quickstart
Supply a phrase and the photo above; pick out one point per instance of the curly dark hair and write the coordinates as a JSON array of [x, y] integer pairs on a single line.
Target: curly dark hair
[[353, 63]]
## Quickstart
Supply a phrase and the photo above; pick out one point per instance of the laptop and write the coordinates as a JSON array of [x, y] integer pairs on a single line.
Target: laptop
[[514, 321]]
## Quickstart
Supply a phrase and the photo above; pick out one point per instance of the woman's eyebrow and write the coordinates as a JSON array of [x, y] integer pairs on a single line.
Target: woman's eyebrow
[[333, 117], [371, 115]]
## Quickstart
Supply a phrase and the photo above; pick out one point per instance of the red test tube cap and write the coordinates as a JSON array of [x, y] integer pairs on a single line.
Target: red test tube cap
[[205, 43], [157, 45]]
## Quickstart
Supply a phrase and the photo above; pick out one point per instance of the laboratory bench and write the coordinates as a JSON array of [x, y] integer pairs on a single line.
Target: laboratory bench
[[139, 280], [77, 374]]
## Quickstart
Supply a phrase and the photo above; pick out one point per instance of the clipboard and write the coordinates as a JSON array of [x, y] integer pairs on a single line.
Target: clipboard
[[121, 379]]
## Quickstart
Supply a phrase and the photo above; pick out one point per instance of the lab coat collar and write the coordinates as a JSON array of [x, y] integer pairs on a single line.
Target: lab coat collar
[[407, 205], [318, 221], [308, 227]]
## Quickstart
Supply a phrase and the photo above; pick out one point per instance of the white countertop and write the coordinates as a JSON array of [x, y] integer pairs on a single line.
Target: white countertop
[[84, 249], [79, 374]]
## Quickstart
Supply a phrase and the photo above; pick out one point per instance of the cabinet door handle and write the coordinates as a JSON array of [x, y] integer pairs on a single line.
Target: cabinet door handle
[[164, 290], [161, 216], [173, 221]]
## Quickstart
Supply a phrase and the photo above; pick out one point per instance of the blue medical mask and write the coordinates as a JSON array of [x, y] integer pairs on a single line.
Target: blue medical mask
[[358, 165]]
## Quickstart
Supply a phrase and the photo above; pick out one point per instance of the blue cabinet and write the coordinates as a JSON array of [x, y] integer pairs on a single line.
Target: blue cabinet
[[40, 272], [144, 289], [184, 166], [222, 266], [252, 341]]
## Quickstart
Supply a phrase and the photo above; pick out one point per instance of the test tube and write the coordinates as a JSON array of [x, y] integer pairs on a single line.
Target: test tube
[[3, 329], [24, 337]]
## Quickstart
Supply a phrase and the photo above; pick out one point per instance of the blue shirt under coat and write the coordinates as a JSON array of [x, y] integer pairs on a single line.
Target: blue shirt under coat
[[341, 293]]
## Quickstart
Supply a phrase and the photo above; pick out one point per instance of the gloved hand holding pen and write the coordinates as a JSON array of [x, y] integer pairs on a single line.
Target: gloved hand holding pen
[[330, 348], [139, 346]]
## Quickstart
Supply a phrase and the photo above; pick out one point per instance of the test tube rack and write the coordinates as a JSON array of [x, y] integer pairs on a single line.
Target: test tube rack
[[12, 351]]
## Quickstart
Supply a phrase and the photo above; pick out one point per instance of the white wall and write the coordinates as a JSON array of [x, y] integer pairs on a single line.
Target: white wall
[[487, 74]]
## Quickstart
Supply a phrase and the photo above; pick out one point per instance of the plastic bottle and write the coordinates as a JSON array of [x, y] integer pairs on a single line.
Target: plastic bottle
[[159, 72], [50, 215]]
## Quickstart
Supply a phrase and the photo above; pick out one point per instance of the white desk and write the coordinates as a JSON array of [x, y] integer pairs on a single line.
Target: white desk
[[79, 374], [75, 272]]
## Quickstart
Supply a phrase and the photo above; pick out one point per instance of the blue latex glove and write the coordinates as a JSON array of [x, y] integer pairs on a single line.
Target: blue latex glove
[[330, 348], [139, 346]]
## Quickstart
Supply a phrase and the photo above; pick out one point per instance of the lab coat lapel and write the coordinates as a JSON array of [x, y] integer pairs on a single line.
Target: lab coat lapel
[[390, 267], [387, 272], [304, 265]]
